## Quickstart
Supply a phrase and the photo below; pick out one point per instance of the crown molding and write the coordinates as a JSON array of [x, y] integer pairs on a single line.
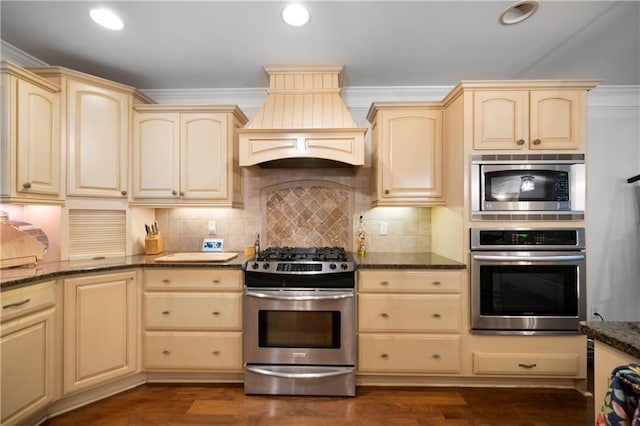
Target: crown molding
[[615, 97], [9, 52]]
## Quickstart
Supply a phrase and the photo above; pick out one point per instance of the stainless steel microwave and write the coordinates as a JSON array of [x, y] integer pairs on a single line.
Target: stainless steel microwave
[[535, 185]]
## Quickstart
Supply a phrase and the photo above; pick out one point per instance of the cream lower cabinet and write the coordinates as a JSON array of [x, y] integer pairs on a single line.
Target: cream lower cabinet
[[409, 322], [193, 320], [27, 351], [407, 154], [30, 163], [186, 155], [100, 329]]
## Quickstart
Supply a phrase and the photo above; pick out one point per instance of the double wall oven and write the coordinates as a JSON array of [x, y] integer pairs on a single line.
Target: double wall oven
[[299, 322], [527, 280]]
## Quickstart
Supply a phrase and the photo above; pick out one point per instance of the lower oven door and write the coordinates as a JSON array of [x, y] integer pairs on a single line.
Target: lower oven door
[[527, 291], [299, 327]]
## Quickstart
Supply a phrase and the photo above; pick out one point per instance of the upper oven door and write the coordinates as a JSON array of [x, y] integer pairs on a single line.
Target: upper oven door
[[303, 327], [525, 187], [524, 290]]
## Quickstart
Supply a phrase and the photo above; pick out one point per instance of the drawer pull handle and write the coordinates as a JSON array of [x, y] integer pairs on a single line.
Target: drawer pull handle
[[216, 281], [26, 185], [215, 353], [166, 281], [436, 316], [527, 366], [520, 142], [537, 141], [384, 356], [436, 356], [166, 352], [436, 283], [385, 283], [16, 304], [215, 313], [384, 315], [166, 312]]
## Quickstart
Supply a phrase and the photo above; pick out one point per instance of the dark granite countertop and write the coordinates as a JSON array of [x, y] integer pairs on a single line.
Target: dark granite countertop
[[380, 260], [623, 336], [17, 277]]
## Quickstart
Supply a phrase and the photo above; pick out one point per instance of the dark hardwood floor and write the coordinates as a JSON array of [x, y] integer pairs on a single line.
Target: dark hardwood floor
[[155, 404]]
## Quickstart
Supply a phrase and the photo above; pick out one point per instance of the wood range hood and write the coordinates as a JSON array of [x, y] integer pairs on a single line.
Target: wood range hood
[[303, 122]]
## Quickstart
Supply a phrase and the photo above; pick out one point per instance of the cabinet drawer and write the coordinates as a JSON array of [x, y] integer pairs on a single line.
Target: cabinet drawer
[[408, 354], [27, 299], [410, 281], [214, 311], [192, 279], [526, 364], [404, 312], [193, 351]]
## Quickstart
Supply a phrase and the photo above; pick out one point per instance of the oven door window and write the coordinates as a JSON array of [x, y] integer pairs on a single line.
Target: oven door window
[[550, 290], [299, 329], [526, 185]]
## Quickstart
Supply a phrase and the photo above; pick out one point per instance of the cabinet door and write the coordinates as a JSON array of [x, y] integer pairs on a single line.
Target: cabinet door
[[100, 329], [38, 140], [500, 120], [156, 155], [203, 156], [410, 157], [557, 120], [98, 141], [27, 365]]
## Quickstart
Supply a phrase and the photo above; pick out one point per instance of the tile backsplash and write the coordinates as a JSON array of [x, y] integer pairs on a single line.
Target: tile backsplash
[[303, 207]]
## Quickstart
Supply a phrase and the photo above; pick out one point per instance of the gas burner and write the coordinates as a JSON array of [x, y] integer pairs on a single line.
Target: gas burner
[[292, 254]]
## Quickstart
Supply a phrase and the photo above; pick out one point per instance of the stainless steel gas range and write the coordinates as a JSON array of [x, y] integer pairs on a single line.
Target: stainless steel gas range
[[299, 322]]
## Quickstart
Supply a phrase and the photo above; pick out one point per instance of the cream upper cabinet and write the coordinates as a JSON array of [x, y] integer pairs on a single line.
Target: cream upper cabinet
[[100, 329], [27, 349], [407, 154], [30, 163], [529, 119], [186, 155], [96, 127]]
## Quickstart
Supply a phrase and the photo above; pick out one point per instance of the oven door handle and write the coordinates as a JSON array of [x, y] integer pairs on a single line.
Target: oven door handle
[[278, 296], [561, 258], [298, 375]]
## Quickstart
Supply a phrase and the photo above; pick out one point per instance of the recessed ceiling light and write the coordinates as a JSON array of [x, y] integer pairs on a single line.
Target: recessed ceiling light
[[295, 15], [106, 18], [518, 12]]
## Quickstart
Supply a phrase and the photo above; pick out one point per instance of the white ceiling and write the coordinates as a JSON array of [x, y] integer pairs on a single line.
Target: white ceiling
[[225, 44]]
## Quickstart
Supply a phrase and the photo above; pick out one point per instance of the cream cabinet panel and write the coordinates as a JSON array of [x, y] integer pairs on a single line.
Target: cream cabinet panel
[[411, 353], [97, 140], [220, 311], [407, 155], [529, 119], [156, 155], [529, 364], [186, 155], [409, 281], [100, 329], [30, 164], [27, 359], [214, 279], [409, 313], [193, 351]]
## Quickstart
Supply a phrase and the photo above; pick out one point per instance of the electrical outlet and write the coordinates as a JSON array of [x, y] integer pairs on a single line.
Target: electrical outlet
[[384, 228], [212, 227]]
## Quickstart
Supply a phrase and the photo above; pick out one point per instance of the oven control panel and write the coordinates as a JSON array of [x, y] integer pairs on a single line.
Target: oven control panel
[[300, 267], [533, 238]]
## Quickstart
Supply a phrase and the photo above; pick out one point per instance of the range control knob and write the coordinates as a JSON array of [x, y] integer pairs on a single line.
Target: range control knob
[[265, 266], [344, 266], [332, 266], [255, 265]]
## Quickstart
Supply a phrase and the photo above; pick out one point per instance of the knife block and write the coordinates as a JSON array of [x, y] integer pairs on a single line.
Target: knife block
[[153, 244]]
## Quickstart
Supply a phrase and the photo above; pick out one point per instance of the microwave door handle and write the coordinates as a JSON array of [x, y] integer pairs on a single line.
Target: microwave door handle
[[561, 258]]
